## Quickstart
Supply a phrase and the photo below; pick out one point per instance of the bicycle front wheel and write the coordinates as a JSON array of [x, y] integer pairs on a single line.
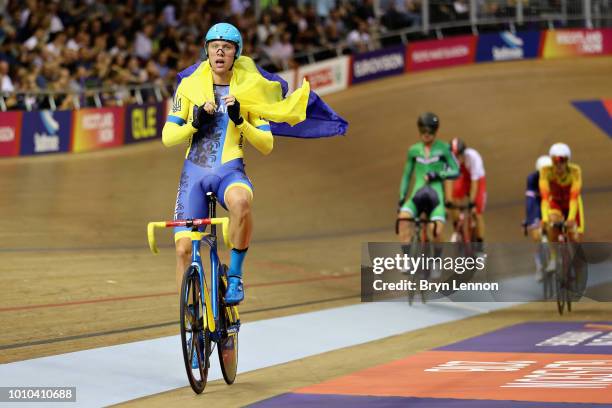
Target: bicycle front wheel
[[227, 346], [195, 339], [561, 282]]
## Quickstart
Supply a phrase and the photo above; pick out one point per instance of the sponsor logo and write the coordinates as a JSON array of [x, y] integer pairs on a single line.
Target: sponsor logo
[[144, 123], [103, 122], [581, 374], [513, 48], [438, 54], [321, 78], [50, 141], [587, 42], [579, 338], [430, 160], [92, 121], [505, 53], [376, 65], [7, 134], [46, 143]]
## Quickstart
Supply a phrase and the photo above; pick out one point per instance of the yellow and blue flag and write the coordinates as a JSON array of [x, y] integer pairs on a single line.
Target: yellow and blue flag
[[302, 114]]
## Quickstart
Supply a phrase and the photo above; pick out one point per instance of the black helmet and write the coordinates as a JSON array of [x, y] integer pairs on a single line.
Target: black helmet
[[428, 121], [457, 146]]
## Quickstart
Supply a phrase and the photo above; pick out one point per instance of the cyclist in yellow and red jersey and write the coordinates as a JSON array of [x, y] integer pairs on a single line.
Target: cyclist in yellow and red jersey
[[560, 186]]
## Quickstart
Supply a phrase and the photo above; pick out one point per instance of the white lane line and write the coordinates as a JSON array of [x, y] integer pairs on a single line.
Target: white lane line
[[110, 375]]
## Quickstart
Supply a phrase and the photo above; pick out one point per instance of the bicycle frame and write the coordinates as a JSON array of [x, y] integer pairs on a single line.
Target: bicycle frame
[[210, 298], [465, 222]]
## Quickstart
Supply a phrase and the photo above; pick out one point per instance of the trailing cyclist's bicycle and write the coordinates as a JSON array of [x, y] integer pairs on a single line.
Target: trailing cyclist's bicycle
[[420, 245], [565, 273], [543, 254], [204, 317], [465, 226]]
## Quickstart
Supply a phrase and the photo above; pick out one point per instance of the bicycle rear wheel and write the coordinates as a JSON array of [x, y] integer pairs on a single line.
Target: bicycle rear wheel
[[227, 346], [194, 336]]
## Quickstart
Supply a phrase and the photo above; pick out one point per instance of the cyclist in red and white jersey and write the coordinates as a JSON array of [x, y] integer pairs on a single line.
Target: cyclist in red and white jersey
[[470, 187]]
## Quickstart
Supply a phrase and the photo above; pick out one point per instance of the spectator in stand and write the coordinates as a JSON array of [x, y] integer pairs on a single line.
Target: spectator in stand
[[359, 39], [57, 44], [143, 45], [6, 84], [461, 9], [38, 38], [265, 28], [365, 11]]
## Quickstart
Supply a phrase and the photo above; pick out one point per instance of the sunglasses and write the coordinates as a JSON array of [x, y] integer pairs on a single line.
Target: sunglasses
[[559, 159], [427, 131]]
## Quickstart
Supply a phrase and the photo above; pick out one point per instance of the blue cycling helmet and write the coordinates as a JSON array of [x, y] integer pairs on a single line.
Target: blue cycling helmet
[[225, 32]]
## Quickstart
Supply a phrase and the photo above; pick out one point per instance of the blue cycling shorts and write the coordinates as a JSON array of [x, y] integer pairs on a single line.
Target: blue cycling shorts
[[196, 181]]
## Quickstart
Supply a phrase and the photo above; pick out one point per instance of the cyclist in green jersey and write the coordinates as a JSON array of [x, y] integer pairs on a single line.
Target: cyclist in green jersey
[[432, 162]]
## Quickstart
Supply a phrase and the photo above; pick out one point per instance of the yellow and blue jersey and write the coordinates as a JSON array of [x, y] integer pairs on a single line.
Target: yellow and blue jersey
[[217, 142]]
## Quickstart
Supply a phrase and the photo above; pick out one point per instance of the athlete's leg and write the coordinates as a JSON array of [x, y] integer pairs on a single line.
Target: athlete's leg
[[436, 231], [236, 194], [238, 200], [191, 202], [553, 237], [405, 228], [183, 259], [536, 235]]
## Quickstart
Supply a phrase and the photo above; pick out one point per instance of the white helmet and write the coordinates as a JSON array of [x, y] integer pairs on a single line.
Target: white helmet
[[560, 150], [543, 161]]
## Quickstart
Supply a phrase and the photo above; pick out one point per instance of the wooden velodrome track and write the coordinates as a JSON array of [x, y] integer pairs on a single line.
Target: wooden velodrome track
[[75, 271]]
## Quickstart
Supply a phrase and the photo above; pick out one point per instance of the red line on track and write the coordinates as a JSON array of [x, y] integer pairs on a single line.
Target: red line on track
[[120, 298]]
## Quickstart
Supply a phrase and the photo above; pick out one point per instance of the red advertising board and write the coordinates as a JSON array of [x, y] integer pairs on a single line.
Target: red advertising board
[[424, 55], [10, 133]]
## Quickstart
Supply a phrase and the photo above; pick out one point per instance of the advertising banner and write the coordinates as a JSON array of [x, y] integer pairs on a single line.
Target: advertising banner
[[506, 46], [46, 132], [441, 53], [10, 132], [97, 128], [327, 76], [144, 122], [571, 43], [378, 64]]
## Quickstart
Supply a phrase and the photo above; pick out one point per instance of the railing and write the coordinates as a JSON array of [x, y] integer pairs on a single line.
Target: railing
[[90, 97]]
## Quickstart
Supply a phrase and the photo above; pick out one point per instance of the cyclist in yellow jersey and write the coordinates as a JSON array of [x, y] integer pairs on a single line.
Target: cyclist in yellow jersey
[[216, 130], [560, 185]]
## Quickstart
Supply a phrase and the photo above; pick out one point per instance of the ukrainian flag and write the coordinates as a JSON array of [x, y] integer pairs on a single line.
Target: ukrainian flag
[[301, 114]]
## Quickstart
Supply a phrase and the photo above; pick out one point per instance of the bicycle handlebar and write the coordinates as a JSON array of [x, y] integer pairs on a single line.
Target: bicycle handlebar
[[416, 221], [460, 207], [196, 222]]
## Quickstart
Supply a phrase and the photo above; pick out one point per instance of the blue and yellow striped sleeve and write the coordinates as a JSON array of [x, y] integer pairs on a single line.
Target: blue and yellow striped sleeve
[[178, 126]]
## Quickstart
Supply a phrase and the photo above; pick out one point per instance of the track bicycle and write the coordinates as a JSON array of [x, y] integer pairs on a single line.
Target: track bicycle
[[565, 273], [205, 318], [464, 229], [420, 244], [543, 254]]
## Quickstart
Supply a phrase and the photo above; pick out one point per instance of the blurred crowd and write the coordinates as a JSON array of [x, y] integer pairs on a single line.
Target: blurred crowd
[[77, 46]]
